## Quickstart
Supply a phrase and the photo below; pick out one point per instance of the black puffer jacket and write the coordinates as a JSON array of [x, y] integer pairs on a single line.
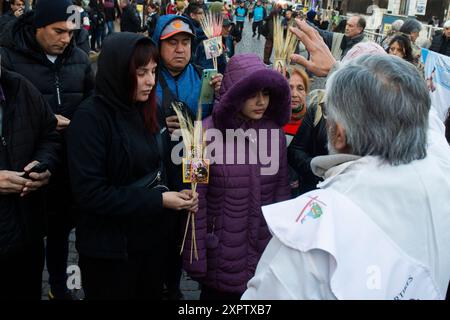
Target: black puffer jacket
[[29, 132], [441, 44], [109, 149], [63, 84]]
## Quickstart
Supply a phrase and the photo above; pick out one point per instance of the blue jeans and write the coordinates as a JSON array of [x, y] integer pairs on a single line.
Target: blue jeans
[[110, 25]]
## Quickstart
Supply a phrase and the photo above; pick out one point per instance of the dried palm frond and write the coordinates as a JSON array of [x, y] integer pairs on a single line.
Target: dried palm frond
[[194, 139], [211, 24], [186, 126], [283, 48]]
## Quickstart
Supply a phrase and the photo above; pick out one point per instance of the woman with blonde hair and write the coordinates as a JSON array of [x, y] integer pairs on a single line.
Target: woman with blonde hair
[[309, 142], [299, 85]]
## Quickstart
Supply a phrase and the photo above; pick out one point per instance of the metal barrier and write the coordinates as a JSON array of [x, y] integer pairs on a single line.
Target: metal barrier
[[374, 36], [431, 30]]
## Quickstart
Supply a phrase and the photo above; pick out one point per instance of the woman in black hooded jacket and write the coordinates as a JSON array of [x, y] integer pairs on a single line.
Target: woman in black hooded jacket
[[117, 146]]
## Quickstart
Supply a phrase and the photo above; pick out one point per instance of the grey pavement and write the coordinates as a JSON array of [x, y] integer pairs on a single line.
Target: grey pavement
[[250, 44]]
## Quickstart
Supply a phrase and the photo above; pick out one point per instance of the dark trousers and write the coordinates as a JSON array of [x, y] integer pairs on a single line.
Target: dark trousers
[[240, 26], [21, 273], [97, 36], [209, 294], [138, 277], [268, 46], [257, 25], [57, 251], [172, 275]]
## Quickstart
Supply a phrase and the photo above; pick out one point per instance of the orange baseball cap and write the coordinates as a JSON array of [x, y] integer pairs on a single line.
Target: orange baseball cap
[[174, 27]]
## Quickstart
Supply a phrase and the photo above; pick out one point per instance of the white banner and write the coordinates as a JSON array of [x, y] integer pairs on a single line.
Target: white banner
[[437, 74]]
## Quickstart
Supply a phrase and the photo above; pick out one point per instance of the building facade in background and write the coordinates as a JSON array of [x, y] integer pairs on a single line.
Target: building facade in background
[[424, 10]]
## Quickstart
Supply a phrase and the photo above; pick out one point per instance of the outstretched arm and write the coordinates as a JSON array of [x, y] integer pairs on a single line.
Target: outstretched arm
[[321, 60]]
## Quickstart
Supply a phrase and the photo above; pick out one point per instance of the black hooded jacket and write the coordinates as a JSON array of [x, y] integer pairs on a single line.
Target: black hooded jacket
[[64, 84], [109, 149]]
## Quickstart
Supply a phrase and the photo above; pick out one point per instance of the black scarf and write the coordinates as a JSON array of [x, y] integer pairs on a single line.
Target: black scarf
[[348, 43]]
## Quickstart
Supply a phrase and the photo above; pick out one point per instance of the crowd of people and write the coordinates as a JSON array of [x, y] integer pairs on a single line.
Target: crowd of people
[[295, 199]]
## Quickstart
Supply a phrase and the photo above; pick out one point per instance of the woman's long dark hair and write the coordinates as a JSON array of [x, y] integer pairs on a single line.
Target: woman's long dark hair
[[142, 55], [405, 43]]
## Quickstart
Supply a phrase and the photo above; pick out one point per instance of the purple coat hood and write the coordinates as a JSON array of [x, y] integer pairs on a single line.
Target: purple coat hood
[[245, 74]]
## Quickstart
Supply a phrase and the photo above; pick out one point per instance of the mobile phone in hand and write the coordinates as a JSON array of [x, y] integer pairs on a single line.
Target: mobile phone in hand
[[207, 90], [39, 168]]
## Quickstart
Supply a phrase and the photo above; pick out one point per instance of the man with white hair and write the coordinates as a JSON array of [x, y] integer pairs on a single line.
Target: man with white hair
[[441, 42], [378, 226]]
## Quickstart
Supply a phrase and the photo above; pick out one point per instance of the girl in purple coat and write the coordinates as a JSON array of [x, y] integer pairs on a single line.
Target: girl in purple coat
[[230, 229]]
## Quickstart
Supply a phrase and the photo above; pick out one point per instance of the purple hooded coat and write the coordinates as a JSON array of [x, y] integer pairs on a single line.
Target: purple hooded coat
[[230, 229]]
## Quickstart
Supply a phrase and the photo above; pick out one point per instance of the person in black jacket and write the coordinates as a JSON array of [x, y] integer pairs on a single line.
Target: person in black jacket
[[41, 47], [28, 136], [17, 9], [97, 24], [441, 42], [116, 142], [129, 19], [152, 18], [309, 142], [110, 7]]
